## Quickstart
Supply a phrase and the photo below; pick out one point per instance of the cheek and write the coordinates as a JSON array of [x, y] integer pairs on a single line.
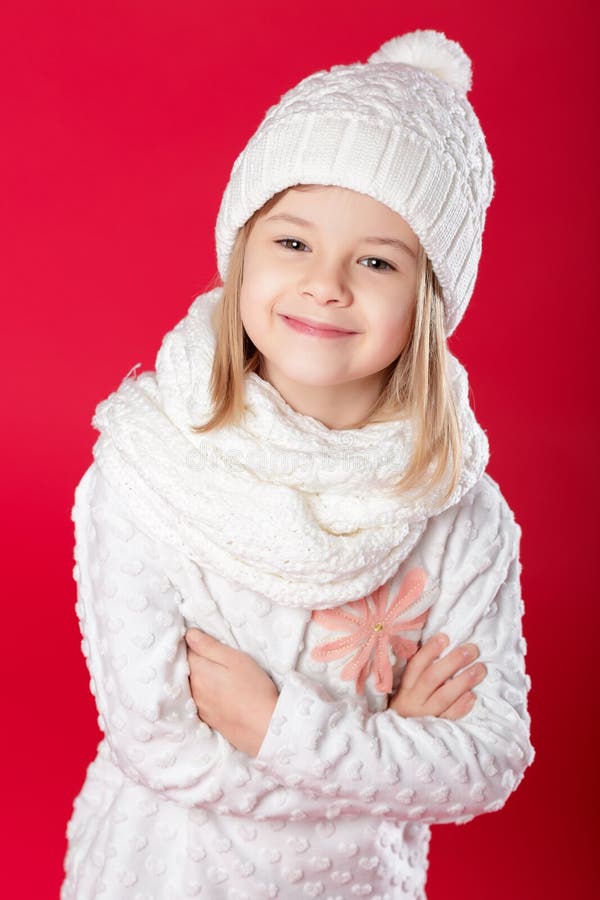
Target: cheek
[[259, 299], [259, 290], [260, 278], [253, 314], [394, 329]]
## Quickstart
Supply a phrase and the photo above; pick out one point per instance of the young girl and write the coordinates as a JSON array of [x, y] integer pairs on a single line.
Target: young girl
[[288, 551]]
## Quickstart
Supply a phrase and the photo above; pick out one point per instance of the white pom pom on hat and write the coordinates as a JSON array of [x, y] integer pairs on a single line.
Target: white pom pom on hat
[[432, 51], [398, 128]]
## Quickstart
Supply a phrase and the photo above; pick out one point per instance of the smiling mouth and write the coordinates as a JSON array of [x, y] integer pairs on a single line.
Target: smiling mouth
[[316, 328]]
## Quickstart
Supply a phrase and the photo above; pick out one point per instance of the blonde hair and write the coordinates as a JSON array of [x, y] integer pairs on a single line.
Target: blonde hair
[[417, 385]]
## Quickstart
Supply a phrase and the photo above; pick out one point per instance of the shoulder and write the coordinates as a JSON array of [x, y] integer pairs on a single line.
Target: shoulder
[[100, 510], [93, 492], [478, 533], [486, 505], [106, 524], [484, 536], [482, 510]]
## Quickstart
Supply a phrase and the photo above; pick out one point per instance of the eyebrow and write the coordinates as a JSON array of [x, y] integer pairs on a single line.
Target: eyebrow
[[296, 220]]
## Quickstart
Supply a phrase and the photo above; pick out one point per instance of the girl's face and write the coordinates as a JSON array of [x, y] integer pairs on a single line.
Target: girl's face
[[338, 258]]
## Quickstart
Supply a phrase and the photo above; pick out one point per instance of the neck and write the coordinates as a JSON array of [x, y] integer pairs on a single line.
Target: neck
[[338, 406]]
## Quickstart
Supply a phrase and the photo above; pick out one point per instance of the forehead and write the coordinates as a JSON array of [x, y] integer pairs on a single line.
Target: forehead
[[316, 207]]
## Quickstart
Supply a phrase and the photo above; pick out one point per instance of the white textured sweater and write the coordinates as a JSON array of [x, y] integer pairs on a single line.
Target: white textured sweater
[[339, 800], [330, 583]]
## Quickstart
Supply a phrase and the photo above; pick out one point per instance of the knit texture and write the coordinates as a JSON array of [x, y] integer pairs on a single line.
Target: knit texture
[[303, 513], [398, 128]]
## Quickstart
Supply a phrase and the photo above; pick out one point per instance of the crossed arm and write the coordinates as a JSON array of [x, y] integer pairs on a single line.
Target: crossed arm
[[233, 694], [207, 727], [431, 755], [237, 698]]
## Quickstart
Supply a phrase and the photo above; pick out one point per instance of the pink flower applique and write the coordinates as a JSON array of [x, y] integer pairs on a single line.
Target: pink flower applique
[[372, 630]]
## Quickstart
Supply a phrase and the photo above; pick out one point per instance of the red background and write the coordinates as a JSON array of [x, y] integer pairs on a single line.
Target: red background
[[121, 121]]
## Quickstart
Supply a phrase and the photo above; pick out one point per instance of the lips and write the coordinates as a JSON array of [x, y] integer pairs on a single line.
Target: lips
[[320, 326]]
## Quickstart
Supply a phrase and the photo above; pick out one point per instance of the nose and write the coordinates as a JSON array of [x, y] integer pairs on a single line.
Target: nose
[[325, 281]]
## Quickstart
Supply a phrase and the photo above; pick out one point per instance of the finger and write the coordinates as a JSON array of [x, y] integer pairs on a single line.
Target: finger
[[439, 671], [449, 665], [205, 645], [423, 658], [193, 647], [205, 680], [454, 688], [460, 707], [201, 668], [193, 637]]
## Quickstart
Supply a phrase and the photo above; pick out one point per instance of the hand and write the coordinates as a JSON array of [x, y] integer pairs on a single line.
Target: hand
[[233, 694], [427, 689]]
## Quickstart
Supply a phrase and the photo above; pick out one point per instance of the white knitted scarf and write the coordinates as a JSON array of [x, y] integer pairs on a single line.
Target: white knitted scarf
[[280, 503]]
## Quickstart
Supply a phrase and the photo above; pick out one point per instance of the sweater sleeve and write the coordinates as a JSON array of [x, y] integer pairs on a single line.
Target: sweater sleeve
[[429, 769], [133, 640]]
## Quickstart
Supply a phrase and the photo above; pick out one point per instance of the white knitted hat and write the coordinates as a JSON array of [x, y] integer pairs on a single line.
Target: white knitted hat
[[398, 128]]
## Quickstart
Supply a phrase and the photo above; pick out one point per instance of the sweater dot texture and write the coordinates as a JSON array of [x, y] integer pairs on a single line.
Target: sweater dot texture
[[340, 798]]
